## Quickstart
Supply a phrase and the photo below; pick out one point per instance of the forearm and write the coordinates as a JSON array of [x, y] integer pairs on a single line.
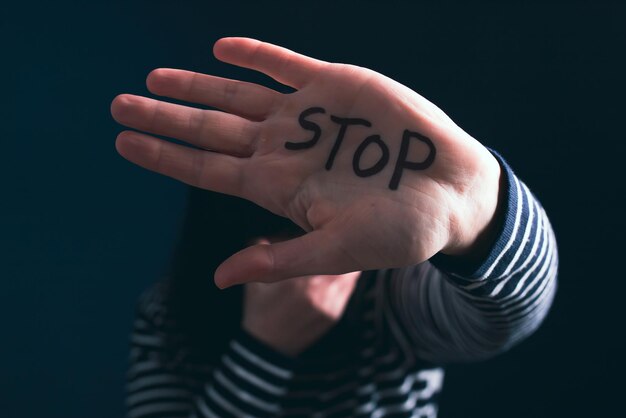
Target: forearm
[[466, 310]]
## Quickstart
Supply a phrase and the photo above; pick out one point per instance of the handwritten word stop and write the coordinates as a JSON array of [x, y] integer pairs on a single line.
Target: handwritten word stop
[[373, 140]]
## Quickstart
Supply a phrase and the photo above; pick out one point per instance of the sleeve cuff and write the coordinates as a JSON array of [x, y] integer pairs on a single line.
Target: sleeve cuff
[[510, 212]]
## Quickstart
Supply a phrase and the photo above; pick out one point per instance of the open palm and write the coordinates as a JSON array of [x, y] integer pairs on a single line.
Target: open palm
[[377, 175]]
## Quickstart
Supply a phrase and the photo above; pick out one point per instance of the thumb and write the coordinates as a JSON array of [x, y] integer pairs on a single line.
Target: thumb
[[317, 252]]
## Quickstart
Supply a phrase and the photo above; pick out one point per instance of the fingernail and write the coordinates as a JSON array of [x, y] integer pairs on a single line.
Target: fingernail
[[222, 283]]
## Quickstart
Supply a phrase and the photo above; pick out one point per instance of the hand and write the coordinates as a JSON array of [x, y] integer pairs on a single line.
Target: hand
[[378, 176], [291, 315]]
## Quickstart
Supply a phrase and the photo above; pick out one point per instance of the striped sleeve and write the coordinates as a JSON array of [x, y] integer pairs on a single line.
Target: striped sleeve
[[458, 313], [158, 382], [248, 380]]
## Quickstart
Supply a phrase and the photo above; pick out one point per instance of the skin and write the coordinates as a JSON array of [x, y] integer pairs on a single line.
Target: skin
[[291, 315], [353, 223]]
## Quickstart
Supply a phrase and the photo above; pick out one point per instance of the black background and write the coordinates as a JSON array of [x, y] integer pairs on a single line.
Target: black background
[[83, 231]]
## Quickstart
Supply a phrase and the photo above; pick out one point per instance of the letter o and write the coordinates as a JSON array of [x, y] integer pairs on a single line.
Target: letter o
[[380, 164]]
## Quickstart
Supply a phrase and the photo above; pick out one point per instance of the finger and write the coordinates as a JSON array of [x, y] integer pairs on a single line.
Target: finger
[[204, 169], [207, 129], [258, 240], [316, 252], [283, 65], [249, 100]]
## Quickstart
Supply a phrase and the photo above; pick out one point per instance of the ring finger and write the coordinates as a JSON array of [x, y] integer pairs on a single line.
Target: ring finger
[[208, 129]]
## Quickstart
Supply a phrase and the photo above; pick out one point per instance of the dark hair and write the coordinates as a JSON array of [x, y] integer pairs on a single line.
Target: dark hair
[[214, 227]]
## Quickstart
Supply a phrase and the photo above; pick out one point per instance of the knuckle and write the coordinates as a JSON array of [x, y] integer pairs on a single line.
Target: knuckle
[[192, 84], [196, 124], [229, 93]]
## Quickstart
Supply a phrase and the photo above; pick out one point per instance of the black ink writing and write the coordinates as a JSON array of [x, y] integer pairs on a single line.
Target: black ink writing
[[402, 163], [309, 126], [343, 123], [380, 164]]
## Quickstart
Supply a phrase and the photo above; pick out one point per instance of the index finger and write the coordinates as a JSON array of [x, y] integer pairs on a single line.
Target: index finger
[[283, 65]]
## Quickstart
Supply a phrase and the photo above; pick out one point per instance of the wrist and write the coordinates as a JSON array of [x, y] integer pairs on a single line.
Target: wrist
[[474, 232]]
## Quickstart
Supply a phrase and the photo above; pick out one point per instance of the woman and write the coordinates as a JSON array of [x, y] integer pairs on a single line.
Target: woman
[[415, 246]]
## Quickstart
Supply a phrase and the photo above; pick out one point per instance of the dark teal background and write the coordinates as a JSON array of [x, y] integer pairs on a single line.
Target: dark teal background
[[83, 232]]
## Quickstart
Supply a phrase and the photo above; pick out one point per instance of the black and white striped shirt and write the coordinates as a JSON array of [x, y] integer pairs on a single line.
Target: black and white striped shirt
[[384, 358]]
